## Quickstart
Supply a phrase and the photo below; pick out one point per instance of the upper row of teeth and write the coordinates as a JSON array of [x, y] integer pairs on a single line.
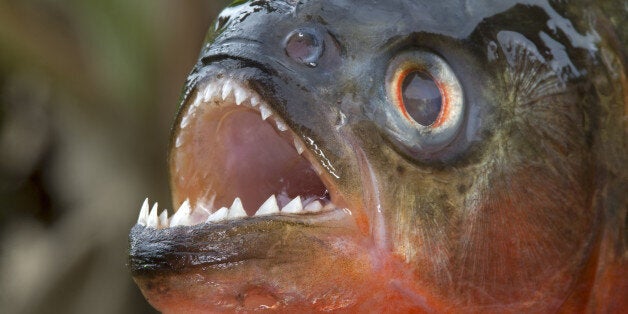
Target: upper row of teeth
[[217, 90], [186, 216]]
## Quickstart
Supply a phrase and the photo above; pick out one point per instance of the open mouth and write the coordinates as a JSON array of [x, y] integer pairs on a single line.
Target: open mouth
[[234, 158]]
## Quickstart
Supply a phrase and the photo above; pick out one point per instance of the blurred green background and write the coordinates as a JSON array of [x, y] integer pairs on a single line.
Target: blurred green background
[[88, 90]]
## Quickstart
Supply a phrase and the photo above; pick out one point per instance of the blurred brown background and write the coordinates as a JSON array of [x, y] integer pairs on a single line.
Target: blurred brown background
[[88, 90]]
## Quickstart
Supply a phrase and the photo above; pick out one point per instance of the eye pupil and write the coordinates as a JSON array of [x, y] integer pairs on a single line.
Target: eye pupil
[[422, 98]]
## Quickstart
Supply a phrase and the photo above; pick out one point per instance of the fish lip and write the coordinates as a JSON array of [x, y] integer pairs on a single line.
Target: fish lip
[[181, 249]]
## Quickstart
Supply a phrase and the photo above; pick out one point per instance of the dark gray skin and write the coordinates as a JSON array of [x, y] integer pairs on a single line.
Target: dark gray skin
[[522, 209]]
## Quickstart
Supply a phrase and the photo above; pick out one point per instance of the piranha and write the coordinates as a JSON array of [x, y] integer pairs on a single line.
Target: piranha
[[397, 156]]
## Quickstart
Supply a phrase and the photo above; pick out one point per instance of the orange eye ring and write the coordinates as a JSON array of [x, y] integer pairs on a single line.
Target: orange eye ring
[[437, 96]]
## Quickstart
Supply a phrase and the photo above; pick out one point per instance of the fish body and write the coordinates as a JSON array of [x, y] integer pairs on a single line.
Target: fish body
[[397, 156]]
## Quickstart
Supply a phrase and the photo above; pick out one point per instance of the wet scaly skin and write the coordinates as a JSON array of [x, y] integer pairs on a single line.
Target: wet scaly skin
[[521, 207]]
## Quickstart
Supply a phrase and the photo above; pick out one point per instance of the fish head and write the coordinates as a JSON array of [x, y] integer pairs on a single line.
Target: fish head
[[383, 156]]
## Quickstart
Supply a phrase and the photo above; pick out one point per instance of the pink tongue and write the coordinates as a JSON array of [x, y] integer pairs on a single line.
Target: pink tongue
[[254, 162]]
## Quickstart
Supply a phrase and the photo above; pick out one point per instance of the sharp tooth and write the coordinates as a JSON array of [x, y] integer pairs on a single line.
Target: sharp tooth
[[314, 206], [199, 215], [240, 95], [236, 211], [210, 91], [264, 111], [281, 126], [293, 207], [298, 146], [219, 215], [153, 220], [141, 220], [226, 89], [254, 101], [269, 207], [163, 220], [181, 217]]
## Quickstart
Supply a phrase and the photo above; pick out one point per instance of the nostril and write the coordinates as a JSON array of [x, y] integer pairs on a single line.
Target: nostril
[[305, 46]]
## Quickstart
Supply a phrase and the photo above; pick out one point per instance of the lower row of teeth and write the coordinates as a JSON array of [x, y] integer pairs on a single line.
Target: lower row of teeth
[[187, 216]]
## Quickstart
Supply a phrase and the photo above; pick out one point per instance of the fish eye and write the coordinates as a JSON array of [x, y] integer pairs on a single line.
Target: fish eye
[[305, 46], [427, 98]]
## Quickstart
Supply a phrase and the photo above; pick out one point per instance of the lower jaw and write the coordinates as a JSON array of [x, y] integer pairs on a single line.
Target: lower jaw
[[308, 269], [172, 250], [260, 263], [324, 280], [318, 264]]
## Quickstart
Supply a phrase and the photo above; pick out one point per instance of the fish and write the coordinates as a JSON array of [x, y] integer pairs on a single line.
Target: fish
[[397, 156]]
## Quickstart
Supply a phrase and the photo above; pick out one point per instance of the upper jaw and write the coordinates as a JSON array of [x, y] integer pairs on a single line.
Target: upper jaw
[[202, 201]]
